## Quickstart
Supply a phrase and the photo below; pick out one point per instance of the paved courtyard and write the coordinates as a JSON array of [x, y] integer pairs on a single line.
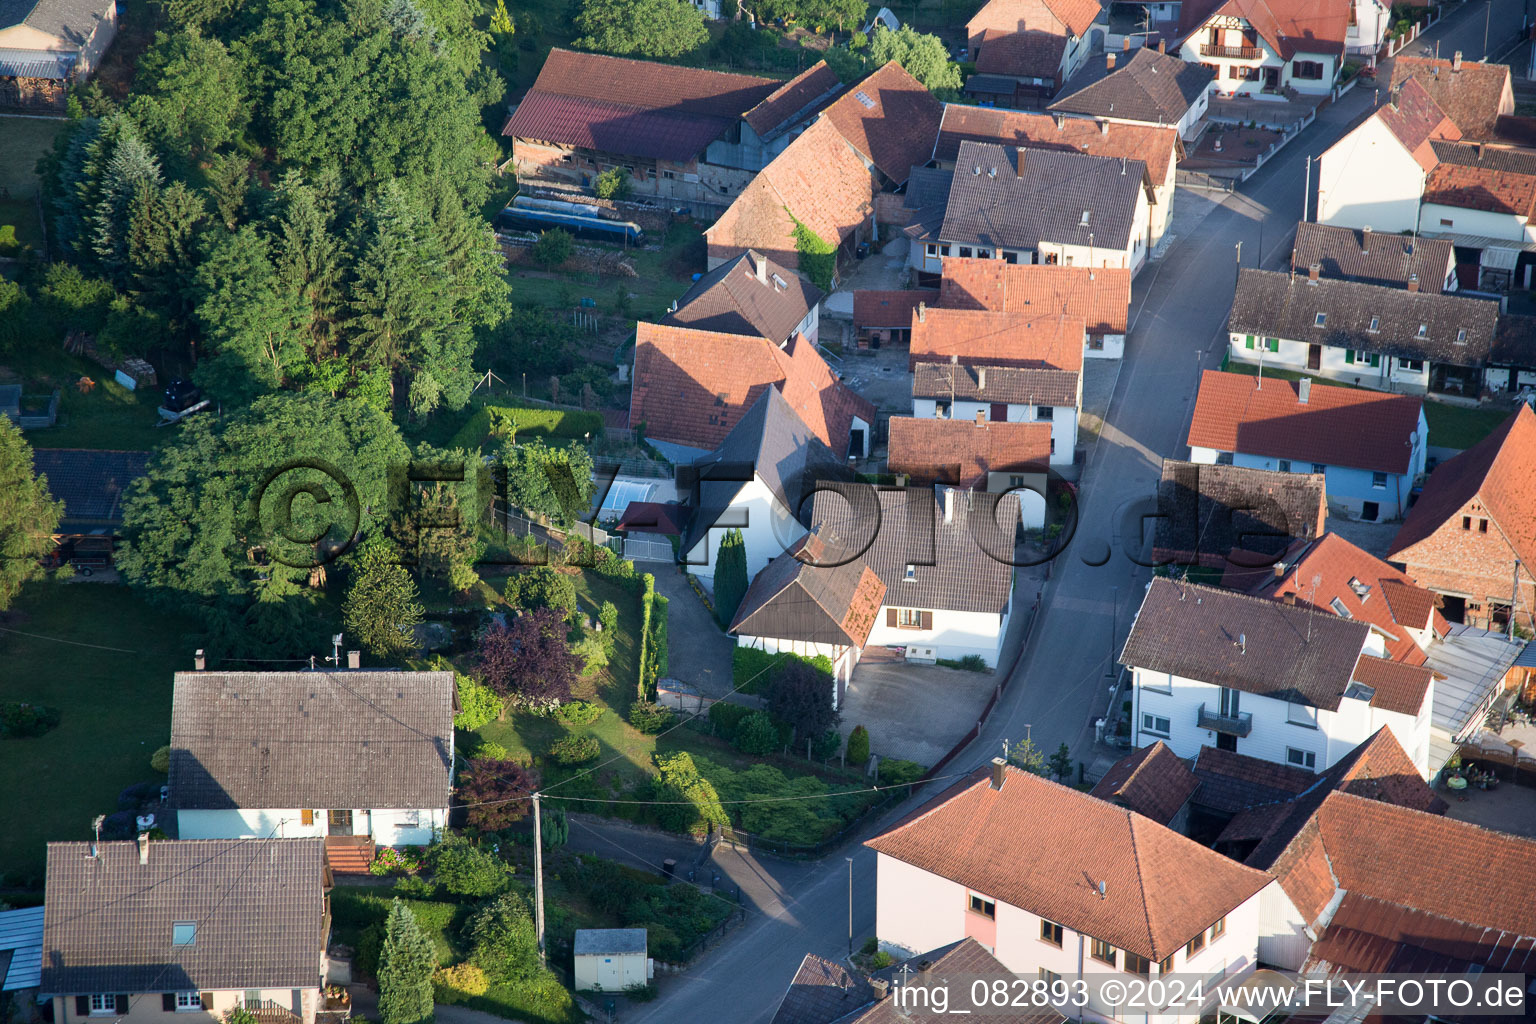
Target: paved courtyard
[[1510, 808], [916, 712], [698, 652]]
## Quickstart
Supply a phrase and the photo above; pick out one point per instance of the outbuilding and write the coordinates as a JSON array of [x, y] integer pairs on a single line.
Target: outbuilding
[[611, 959]]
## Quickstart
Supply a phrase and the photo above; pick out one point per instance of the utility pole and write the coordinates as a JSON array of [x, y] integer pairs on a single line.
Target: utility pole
[[850, 905], [538, 875], [1514, 601], [1239, 270], [1306, 195], [1487, 14]]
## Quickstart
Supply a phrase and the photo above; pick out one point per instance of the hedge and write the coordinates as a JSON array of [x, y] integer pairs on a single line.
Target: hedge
[[752, 668], [646, 683], [531, 420]]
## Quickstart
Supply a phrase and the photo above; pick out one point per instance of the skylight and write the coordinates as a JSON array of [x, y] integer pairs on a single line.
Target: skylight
[[1423, 330], [1322, 319], [1461, 336], [1362, 590], [1375, 324], [863, 97], [183, 933], [1339, 609]]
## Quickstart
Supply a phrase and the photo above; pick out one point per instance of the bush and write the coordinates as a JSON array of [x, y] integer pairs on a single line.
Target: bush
[[638, 993], [592, 649], [725, 717], [160, 760], [749, 669], [896, 772], [466, 870], [881, 960], [827, 745], [611, 184], [575, 750], [503, 941], [479, 704], [680, 780], [491, 750], [414, 887], [18, 718], [649, 717], [870, 947], [579, 712], [553, 248], [858, 746], [756, 734], [542, 587], [459, 982]]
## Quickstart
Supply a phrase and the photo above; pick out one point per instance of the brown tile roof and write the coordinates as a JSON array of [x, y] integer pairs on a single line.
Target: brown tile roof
[[1399, 687], [822, 992], [269, 739], [1472, 97], [1482, 188], [802, 595], [818, 180], [1399, 855], [1245, 643], [1100, 296], [1373, 257], [636, 107], [1238, 520], [984, 338], [962, 452], [1333, 573], [794, 101], [1044, 848], [691, 387], [964, 959], [1154, 87], [1337, 426], [1500, 472], [1152, 781], [258, 905], [890, 118], [1073, 15], [889, 309], [1154, 146], [1292, 26], [1231, 782], [1009, 384], [1025, 53], [749, 295], [1416, 120]]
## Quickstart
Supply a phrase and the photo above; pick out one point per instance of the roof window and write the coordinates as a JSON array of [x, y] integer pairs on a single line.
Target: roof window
[[183, 933], [1423, 330], [1322, 320], [1375, 324], [1339, 609], [1362, 590], [1461, 336], [863, 97]]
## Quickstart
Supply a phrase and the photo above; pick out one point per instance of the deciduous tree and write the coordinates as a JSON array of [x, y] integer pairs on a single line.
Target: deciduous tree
[[530, 659], [495, 792], [28, 514], [647, 28], [801, 695]]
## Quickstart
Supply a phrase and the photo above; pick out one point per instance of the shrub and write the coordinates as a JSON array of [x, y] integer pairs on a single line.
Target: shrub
[[801, 696], [725, 716], [680, 780], [611, 184], [18, 718], [756, 734], [896, 772], [556, 828], [827, 745], [592, 650], [479, 704], [871, 946], [608, 618], [731, 577], [542, 587], [575, 750], [160, 760], [553, 248], [579, 712], [490, 750], [611, 566], [638, 993], [459, 982], [858, 746], [502, 939], [649, 717], [467, 870], [414, 887], [881, 960], [495, 791]]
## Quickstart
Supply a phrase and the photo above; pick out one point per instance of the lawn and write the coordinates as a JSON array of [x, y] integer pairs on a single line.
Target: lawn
[[116, 705], [661, 275], [108, 416], [25, 229], [26, 139]]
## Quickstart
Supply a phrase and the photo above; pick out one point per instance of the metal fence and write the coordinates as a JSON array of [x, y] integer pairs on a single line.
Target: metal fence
[[1195, 179]]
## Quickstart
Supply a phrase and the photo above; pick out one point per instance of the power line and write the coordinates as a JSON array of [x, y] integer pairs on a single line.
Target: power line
[[722, 803]]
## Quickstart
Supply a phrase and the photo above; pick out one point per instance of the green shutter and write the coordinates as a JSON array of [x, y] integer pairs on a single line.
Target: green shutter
[[1375, 360], [1250, 341], [1349, 355], [1274, 344]]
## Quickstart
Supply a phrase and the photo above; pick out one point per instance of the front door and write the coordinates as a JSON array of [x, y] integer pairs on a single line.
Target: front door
[[338, 823], [1226, 741], [1229, 702], [1314, 357], [1271, 78]]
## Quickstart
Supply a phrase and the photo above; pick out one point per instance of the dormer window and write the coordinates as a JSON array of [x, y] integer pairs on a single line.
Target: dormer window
[[1375, 320], [911, 571], [1322, 320]]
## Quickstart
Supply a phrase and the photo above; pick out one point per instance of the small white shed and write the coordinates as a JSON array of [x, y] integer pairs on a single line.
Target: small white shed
[[611, 959]]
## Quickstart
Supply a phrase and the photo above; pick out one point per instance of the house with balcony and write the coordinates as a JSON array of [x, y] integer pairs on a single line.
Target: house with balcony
[[1368, 335], [1369, 447], [1059, 884], [1099, 296], [1272, 680], [289, 754], [1264, 46], [185, 931]]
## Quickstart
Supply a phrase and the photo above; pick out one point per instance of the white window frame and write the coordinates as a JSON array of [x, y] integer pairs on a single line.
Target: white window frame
[[103, 1004], [1307, 758], [409, 819], [1153, 728], [1303, 715], [909, 618], [189, 1002]]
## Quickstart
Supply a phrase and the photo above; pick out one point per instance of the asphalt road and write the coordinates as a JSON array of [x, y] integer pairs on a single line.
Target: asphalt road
[[1179, 310]]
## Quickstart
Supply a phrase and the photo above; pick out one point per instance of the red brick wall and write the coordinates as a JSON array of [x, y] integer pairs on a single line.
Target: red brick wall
[[1472, 563]]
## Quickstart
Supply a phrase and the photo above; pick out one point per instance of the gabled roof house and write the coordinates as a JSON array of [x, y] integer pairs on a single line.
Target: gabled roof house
[[1025, 49], [1099, 296], [1375, 257], [753, 296], [1266, 45], [1152, 87], [1474, 95]]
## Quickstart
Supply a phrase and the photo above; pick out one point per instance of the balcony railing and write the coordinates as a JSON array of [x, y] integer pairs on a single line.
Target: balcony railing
[[1233, 52], [1240, 724]]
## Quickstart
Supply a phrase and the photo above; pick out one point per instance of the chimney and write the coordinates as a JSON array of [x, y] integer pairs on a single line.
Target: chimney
[[1162, 46], [144, 848], [762, 269], [1456, 61], [1304, 390], [1059, 119], [922, 312], [1125, 44], [1314, 271], [1019, 166], [981, 421], [199, 661], [1393, 95], [880, 987], [1413, 282], [981, 379], [1104, 130], [1279, 570], [354, 659], [1365, 241], [949, 504], [1109, 62], [999, 772]]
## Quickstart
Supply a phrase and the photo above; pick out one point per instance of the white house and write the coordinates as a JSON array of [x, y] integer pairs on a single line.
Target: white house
[[752, 296], [1061, 885], [1262, 46], [610, 959], [1374, 176], [288, 754], [1002, 394], [1363, 334], [1484, 197], [1151, 88], [1368, 21], [1276, 681]]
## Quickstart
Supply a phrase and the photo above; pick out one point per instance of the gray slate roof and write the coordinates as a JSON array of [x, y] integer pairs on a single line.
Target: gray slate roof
[[1009, 384], [608, 941], [927, 196], [71, 20], [733, 299], [1496, 158], [822, 992], [21, 948], [1232, 782], [770, 440], [312, 739], [258, 905], [1287, 652], [1044, 203], [952, 570], [1230, 517], [88, 481], [1275, 304], [1372, 257], [801, 595], [1154, 87]]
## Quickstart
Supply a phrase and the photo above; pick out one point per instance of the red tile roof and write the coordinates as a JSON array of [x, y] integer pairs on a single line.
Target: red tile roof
[[1482, 188], [1041, 16], [963, 452], [798, 96], [1399, 687], [1500, 472], [691, 387], [890, 309], [1337, 426], [1416, 120], [1472, 97], [1154, 146], [1100, 296], [1331, 569], [634, 107], [1046, 848], [1153, 781], [1288, 26], [985, 338], [890, 118]]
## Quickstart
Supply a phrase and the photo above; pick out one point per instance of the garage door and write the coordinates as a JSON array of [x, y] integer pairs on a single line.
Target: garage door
[[610, 975]]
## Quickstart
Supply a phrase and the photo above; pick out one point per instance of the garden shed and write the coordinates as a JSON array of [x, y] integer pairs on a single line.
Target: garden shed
[[611, 959]]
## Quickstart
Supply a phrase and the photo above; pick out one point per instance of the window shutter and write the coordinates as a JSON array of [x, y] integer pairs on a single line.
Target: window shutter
[[890, 617], [206, 999], [927, 620], [307, 816], [1249, 343], [168, 1002], [82, 1006], [1349, 355], [122, 1003], [1375, 360]]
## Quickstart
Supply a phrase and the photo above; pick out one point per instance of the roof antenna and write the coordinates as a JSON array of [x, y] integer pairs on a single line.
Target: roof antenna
[[1312, 604], [1242, 643], [1103, 889], [96, 824]]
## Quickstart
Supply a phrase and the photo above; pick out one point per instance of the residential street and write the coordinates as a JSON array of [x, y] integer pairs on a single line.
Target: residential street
[[1179, 309]]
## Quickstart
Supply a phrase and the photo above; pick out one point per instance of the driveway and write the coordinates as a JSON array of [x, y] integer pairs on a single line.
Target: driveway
[[916, 712], [885, 270], [698, 651]]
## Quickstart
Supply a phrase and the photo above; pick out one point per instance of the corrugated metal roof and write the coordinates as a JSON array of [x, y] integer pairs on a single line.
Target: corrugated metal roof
[[35, 64], [21, 935], [1472, 662]]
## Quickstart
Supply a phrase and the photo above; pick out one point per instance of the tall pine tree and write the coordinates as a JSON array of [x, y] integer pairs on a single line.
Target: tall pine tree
[[406, 962], [730, 576]]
